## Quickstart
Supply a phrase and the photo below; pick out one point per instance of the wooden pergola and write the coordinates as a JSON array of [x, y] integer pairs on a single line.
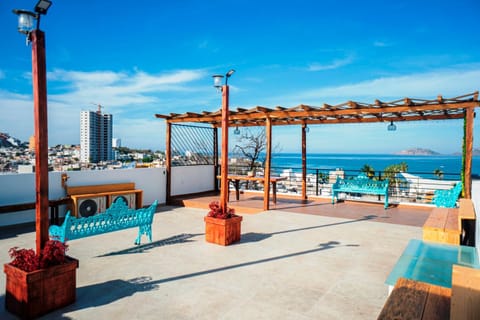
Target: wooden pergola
[[407, 109]]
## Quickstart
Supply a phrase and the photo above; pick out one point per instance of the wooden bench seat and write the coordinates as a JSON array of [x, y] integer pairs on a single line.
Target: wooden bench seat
[[443, 226], [414, 300], [452, 225]]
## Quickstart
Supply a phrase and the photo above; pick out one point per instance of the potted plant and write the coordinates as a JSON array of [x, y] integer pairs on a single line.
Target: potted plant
[[222, 226], [39, 283]]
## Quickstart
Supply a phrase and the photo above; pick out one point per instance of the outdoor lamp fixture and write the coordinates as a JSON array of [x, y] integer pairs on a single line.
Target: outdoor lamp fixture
[[217, 83], [217, 79], [39, 82], [26, 18], [236, 131], [391, 126]]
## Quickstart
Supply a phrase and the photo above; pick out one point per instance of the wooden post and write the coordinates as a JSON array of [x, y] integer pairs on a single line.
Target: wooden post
[[39, 76], [224, 159], [266, 182], [215, 158], [304, 161], [469, 115], [168, 163]]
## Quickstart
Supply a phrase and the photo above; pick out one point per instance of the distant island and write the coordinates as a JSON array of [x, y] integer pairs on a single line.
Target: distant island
[[418, 152]]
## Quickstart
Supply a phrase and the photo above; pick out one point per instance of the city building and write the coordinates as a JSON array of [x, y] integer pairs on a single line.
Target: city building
[[95, 136], [116, 142]]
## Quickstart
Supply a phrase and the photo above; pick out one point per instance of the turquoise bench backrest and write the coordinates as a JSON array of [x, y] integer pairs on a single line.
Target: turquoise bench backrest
[[115, 218]]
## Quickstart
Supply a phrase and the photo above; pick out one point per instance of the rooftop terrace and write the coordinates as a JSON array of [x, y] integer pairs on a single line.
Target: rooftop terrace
[[288, 265]]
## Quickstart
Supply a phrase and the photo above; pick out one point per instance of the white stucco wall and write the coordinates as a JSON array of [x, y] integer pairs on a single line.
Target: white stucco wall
[[20, 188], [192, 179]]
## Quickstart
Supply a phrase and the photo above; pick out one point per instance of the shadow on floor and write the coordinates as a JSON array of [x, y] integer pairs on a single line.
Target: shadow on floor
[[256, 237], [181, 238], [107, 292]]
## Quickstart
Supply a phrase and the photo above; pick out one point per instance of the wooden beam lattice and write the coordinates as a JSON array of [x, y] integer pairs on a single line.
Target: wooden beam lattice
[[406, 109]]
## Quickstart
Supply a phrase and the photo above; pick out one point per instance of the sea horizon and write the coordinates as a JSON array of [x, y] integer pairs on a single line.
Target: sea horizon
[[423, 165]]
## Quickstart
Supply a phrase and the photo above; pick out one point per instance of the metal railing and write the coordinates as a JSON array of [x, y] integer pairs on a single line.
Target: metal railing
[[412, 187]]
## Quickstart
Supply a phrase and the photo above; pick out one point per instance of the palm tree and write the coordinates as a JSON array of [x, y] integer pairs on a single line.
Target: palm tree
[[368, 170], [438, 173]]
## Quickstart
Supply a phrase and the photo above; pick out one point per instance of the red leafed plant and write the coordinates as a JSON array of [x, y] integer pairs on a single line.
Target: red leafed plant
[[216, 211], [25, 259]]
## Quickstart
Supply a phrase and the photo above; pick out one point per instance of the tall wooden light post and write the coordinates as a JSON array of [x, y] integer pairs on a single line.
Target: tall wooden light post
[[217, 83], [39, 77]]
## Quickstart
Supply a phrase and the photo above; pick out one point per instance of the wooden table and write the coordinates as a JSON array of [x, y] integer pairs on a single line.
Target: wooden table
[[237, 178]]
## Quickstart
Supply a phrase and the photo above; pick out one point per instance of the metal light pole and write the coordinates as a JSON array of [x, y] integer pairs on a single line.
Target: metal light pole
[[217, 83], [39, 77]]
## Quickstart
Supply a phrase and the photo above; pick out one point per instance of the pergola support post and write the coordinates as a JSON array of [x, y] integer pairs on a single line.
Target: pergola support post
[[304, 161], [215, 158], [268, 160], [168, 163], [469, 115]]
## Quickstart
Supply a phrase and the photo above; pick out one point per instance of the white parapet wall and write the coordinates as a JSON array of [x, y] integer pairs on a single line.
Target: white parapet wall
[[20, 188], [192, 179]]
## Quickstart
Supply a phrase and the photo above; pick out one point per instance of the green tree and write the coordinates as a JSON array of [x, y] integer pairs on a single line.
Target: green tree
[[368, 170], [391, 171], [438, 173]]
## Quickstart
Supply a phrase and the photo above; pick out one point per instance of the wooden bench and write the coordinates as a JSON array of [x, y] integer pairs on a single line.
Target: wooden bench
[[452, 225], [447, 198], [465, 300], [442, 226], [119, 216], [360, 184], [414, 300]]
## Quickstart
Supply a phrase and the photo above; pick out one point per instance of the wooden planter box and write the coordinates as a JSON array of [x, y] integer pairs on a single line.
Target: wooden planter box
[[32, 294], [223, 231]]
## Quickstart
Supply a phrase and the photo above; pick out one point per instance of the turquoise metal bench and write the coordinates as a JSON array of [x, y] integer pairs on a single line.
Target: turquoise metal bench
[[447, 198], [360, 184], [118, 217]]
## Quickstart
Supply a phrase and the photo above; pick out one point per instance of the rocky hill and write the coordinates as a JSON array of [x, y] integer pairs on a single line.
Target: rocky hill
[[6, 141], [418, 152]]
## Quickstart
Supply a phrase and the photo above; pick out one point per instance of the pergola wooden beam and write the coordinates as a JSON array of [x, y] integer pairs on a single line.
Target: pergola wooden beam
[[408, 113], [406, 109]]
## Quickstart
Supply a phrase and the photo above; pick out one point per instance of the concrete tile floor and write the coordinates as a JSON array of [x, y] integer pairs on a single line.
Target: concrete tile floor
[[287, 266]]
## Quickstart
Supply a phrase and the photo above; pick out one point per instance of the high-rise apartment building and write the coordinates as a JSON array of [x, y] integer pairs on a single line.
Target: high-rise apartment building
[[95, 136]]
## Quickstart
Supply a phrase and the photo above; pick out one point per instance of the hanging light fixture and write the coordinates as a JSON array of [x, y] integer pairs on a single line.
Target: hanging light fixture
[[217, 81], [392, 126], [307, 129], [236, 131]]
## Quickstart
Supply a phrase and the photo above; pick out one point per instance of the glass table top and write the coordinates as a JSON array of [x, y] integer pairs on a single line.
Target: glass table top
[[432, 262]]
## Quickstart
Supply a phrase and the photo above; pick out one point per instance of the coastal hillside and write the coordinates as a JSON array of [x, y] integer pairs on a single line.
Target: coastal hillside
[[418, 152]]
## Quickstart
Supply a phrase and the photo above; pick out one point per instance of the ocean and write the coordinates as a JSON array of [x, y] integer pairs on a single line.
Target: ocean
[[424, 166]]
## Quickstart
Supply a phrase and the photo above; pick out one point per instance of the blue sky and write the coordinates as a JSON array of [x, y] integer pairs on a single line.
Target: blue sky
[[145, 57]]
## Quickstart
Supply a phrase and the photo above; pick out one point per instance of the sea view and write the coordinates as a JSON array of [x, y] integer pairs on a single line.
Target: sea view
[[423, 166]]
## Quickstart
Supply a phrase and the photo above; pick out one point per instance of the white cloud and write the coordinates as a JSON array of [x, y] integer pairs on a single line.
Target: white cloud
[[448, 82], [337, 63], [118, 89]]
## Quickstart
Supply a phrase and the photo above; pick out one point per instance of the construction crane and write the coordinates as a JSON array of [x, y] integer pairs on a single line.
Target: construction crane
[[98, 105]]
